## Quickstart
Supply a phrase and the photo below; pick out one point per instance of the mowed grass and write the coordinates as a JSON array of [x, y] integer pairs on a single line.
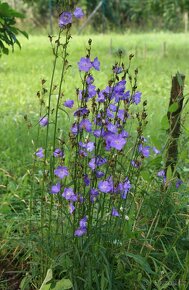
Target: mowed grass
[[21, 74]]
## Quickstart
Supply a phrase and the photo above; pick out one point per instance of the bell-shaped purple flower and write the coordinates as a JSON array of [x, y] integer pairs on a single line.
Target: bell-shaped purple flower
[[84, 64], [61, 171], [40, 153], [78, 13], [96, 63], [65, 18]]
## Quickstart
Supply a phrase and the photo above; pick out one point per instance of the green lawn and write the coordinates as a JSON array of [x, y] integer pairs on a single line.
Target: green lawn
[[21, 74]]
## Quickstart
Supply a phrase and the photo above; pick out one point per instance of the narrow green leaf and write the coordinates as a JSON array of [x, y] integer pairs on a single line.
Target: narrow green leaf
[[48, 277], [169, 174], [141, 261]]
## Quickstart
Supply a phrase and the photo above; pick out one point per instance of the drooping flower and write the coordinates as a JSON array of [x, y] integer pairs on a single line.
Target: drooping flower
[[69, 194], [135, 163], [117, 142], [78, 13], [86, 125], [137, 98], [61, 171], [71, 208], [83, 222], [105, 186], [117, 69], [43, 121], [161, 173], [57, 153], [81, 112], [86, 180], [55, 188], [89, 79], [156, 151], [112, 128], [99, 174], [97, 161], [121, 114], [91, 91], [144, 150], [69, 103], [84, 64], [178, 183], [65, 18], [40, 153], [82, 230], [96, 63], [115, 212], [74, 129], [93, 194]]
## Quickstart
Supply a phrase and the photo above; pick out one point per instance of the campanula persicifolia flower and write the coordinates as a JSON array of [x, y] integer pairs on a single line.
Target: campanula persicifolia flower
[[86, 180], [135, 163], [43, 121], [81, 112], [71, 208], [96, 63], [69, 103], [80, 232], [83, 222], [117, 142], [69, 194], [115, 212], [137, 98], [55, 188], [93, 194], [97, 161], [61, 171], [78, 13], [91, 91], [65, 18], [144, 150], [84, 64], [40, 153], [111, 128], [156, 151], [99, 174], [113, 107], [178, 183], [105, 186], [57, 153], [89, 79], [74, 129], [86, 125], [161, 173]]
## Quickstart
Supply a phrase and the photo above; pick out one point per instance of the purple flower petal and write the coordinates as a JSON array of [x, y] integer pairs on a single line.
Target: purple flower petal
[[96, 63], [115, 212], [65, 18], [84, 64], [61, 171], [43, 121], [40, 153], [69, 103], [55, 188], [78, 13]]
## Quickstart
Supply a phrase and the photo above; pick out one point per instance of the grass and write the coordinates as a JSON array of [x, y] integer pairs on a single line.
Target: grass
[[20, 78]]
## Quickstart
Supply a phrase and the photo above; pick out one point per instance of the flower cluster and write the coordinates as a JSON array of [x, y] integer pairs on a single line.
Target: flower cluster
[[97, 166], [66, 17]]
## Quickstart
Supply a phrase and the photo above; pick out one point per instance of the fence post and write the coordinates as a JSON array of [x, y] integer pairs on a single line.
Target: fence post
[[174, 118]]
